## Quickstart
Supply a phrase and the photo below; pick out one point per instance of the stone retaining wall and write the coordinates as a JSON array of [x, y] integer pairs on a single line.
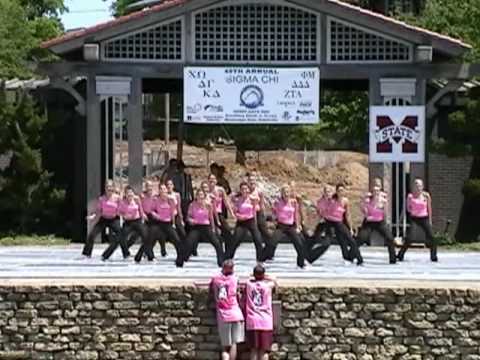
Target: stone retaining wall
[[126, 322]]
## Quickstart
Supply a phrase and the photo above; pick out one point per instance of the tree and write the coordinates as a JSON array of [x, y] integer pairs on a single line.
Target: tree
[[459, 19], [28, 200], [120, 7], [23, 26]]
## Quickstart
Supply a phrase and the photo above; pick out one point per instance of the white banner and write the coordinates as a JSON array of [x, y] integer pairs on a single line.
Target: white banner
[[397, 133], [251, 95]]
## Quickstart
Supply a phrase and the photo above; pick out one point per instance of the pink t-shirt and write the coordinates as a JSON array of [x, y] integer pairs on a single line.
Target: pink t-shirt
[[199, 214], [285, 212], [244, 209], [108, 208], [130, 210], [176, 200], [417, 206], [148, 203], [163, 210], [322, 206], [259, 313], [217, 199], [224, 289], [335, 211], [374, 212], [256, 194]]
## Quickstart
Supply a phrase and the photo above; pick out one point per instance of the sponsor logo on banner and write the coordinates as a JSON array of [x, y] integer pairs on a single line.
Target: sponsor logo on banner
[[397, 133]]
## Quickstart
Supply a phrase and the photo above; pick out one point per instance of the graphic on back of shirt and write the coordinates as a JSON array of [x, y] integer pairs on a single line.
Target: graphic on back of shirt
[[222, 292], [257, 297]]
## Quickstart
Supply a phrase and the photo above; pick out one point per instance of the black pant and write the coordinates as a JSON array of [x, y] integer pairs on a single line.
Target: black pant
[[204, 233], [344, 238], [415, 224], [164, 231], [129, 226], [296, 238], [380, 227], [266, 236], [114, 227], [318, 244], [241, 230]]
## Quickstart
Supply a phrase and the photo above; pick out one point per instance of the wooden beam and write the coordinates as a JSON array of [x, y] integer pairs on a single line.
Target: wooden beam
[[451, 86], [135, 135], [327, 71], [60, 83]]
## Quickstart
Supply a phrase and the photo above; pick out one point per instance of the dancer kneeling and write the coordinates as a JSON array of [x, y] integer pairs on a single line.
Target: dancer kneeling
[[419, 207], [287, 214], [202, 226], [245, 211], [107, 216], [374, 207]]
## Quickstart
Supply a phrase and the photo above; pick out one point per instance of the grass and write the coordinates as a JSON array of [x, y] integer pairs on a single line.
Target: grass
[[32, 240], [475, 246]]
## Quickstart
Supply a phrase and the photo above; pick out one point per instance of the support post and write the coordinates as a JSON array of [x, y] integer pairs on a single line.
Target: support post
[[418, 169], [93, 148], [180, 133], [135, 135]]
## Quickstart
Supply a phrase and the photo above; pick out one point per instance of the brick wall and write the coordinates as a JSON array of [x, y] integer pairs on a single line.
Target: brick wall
[[446, 177], [166, 322]]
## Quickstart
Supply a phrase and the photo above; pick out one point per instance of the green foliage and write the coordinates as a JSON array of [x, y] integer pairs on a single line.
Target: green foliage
[[28, 200], [471, 189], [459, 19], [23, 26], [119, 7], [33, 240], [444, 239]]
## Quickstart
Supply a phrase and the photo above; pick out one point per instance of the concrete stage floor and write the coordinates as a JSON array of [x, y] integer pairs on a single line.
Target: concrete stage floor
[[66, 263]]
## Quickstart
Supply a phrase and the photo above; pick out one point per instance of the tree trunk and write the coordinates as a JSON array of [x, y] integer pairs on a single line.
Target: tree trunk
[[240, 156]]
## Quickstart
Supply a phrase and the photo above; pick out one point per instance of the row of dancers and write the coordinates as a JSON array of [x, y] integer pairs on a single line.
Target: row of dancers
[[160, 216]]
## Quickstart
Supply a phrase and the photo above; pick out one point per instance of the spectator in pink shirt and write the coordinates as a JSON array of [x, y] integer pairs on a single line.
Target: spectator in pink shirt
[[231, 328], [259, 313]]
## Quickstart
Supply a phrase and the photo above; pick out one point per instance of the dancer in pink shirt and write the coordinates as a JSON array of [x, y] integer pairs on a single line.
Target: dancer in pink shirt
[[419, 207], [108, 217], [130, 209], [223, 289], [202, 226], [220, 202], [374, 208], [245, 208], [162, 226], [259, 313], [287, 215], [179, 222]]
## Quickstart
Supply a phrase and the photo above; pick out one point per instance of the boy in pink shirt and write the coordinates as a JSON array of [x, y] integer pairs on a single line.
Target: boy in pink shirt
[[259, 313], [223, 288]]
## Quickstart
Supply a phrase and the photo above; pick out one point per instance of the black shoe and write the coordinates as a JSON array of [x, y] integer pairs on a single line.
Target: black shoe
[[400, 256], [178, 264], [393, 261], [359, 261], [164, 252], [434, 258]]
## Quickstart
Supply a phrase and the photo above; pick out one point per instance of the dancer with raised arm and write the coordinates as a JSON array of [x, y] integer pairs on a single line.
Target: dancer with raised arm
[[245, 208], [419, 207], [202, 226], [287, 216], [130, 209], [338, 218], [374, 208], [106, 216]]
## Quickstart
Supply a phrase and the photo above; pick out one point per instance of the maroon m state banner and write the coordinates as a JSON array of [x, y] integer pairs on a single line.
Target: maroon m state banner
[[397, 134]]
